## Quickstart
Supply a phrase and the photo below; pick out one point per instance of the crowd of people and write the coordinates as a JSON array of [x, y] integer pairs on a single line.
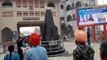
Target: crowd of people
[[31, 49], [28, 49]]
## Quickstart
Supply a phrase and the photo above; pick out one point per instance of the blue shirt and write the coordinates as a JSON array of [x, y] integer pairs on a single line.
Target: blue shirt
[[13, 56], [36, 53]]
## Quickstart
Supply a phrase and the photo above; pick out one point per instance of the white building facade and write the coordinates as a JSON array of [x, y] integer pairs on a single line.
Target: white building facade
[[68, 14], [14, 11]]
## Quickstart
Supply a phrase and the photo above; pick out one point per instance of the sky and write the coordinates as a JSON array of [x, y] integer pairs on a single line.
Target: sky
[[101, 2]]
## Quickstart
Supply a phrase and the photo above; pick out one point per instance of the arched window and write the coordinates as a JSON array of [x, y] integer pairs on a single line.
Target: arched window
[[63, 28], [7, 3], [6, 34], [61, 6], [73, 5], [68, 8], [51, 4], [70, 31], [86, 5], [73, 16], [69, 18], [69, 27], [24, 3], [62, 18], [78, 4]]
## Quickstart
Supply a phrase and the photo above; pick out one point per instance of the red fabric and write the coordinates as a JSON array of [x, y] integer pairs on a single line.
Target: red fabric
[[35, 39]]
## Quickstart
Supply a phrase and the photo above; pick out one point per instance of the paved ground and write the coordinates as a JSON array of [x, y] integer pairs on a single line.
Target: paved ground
[[69, 46]]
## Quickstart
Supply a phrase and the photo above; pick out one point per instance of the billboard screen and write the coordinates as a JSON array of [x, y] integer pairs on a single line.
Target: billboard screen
[[92, 16]]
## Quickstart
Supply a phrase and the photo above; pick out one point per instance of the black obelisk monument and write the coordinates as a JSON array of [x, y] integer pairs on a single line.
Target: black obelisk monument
[[50, 39]]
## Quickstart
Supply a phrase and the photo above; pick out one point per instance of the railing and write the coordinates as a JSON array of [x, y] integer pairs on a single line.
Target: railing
[[5, 45]]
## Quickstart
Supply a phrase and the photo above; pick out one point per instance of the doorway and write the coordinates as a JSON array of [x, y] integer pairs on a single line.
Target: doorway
[[31, 24], [6, 34]]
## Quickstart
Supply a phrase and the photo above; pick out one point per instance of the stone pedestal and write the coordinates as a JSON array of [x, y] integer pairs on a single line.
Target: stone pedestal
[[54, 47]]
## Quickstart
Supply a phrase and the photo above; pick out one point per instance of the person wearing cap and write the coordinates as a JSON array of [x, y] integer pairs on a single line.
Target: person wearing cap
[[82, 51], [103, 50], [36, 52]]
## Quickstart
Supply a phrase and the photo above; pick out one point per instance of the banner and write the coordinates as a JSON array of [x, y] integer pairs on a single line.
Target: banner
[[92, 16]]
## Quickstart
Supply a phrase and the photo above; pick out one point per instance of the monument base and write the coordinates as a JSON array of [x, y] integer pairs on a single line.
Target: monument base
[[54, 47]]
